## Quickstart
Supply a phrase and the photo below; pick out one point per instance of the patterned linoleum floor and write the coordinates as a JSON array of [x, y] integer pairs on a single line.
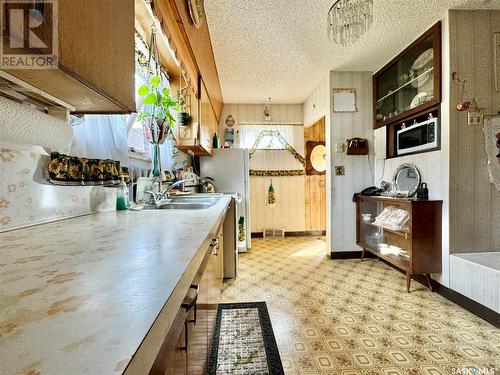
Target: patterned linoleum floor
[[347, 317]]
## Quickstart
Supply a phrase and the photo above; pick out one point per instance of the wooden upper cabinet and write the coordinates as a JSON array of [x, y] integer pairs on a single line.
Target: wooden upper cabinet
[[96, 69], [201, 46], [197, 138]]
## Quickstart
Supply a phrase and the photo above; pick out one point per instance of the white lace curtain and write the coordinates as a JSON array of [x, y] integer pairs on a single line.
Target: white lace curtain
[[101, 137], [292, 133]]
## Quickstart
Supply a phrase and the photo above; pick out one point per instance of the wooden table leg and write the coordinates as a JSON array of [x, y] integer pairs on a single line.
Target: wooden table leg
[[428, 277], [363, 255], [408, 281]]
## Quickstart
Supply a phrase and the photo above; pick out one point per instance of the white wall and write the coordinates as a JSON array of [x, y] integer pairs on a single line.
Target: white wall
[[317, 103], [289, 212], [340, 215], [358, 173], [24, 202]]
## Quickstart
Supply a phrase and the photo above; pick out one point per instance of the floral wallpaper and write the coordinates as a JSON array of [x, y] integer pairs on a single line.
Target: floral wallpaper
[[24, 202]]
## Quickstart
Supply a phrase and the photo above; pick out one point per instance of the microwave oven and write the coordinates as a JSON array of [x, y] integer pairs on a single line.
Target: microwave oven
[[419, 137]]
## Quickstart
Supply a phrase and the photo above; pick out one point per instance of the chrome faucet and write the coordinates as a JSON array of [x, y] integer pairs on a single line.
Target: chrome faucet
[[156, 197], [166, 192]]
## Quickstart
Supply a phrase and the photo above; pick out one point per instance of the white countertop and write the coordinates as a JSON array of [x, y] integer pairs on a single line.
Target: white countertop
[[79, 296]]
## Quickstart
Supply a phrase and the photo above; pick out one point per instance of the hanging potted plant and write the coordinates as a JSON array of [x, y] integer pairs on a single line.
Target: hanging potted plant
[[183, 100], [156, 117]]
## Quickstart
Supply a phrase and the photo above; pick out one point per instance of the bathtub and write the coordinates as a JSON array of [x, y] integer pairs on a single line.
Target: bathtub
[[477, 276]]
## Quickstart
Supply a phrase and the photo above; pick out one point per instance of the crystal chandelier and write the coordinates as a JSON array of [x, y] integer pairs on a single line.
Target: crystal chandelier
[[348, 20]]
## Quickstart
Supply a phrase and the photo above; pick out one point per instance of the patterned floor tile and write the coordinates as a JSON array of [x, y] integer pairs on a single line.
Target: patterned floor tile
[[350, 318]]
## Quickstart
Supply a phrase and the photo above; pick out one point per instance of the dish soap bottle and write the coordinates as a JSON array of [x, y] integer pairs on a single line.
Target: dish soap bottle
[[122, 195]]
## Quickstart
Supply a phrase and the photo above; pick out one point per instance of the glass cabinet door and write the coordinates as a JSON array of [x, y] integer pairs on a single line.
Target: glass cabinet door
[[385, 229], [410, 81]]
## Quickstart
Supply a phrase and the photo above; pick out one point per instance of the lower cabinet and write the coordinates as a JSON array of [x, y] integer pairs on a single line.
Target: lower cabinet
[[173, 357], [186, 348]]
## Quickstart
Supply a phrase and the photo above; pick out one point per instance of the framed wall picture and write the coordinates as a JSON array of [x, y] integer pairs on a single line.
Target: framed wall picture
[[344, 100]]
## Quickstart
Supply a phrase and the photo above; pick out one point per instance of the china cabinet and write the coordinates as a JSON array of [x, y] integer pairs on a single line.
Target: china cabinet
[[411, 82], [404, 232]]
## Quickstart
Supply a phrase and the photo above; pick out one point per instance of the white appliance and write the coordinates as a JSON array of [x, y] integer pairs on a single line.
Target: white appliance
[[419, 137], [229, 167]]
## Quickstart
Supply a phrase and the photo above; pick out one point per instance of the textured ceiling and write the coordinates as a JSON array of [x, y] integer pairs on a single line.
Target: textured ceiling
[[280, 49]]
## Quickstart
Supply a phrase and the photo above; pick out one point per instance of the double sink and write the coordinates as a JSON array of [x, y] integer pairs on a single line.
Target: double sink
[[187, 202]]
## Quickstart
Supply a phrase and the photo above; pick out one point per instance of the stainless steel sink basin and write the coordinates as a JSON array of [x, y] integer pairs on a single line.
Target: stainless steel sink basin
[[197, 198], [185, 202], [185, 205]]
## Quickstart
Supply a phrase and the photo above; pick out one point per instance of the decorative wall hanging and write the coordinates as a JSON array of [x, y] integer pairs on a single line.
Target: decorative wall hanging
[[271, 195], [276, 136], [315, 158], [230, 121], [229, 136], [348, 20], [344, 100], [465, 103], [276, 173], [492, 138]]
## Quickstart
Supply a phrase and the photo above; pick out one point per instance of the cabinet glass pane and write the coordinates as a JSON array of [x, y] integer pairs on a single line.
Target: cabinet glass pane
[[408, 83]]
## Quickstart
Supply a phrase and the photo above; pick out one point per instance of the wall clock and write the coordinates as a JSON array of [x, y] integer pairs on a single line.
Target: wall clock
[[196, 11]]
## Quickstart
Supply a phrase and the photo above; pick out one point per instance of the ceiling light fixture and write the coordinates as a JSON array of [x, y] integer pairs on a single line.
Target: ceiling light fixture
[[348, 20], [267, 111]]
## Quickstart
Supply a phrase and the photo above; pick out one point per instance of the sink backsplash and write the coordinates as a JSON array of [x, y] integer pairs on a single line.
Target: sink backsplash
[[24, 202]]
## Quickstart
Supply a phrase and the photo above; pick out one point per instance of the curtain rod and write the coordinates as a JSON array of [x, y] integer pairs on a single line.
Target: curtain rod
[[271, 123]]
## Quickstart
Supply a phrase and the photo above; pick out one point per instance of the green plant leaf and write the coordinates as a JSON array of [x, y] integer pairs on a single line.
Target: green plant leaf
[[155, 81], [144, 90], [150, 99]]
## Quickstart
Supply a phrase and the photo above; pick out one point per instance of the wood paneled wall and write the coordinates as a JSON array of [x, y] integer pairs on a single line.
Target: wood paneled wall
[[474, 202], [315, 185], [288, 214]]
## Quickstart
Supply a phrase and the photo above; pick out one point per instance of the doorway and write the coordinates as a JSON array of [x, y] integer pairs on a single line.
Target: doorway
[[315, 179]]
